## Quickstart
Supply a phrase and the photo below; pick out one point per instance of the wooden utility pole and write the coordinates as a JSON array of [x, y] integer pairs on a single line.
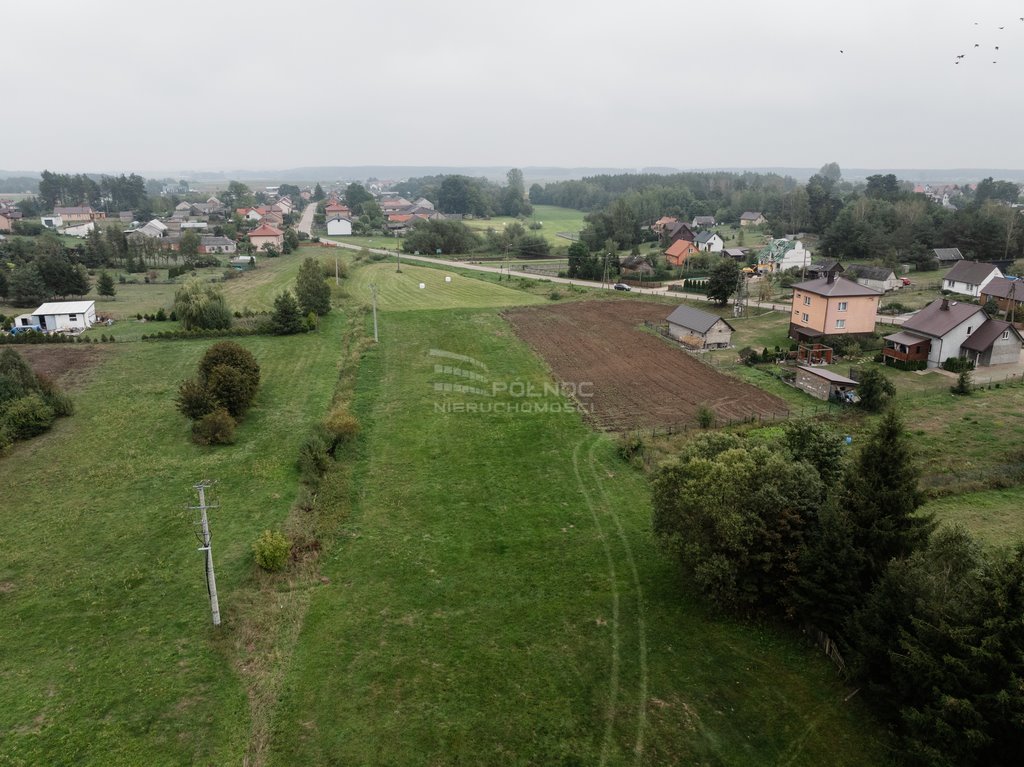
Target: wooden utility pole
[[204, 539], [336, 282]]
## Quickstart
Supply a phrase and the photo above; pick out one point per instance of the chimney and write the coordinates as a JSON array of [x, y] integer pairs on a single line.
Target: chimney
[[945, 305], [831, 277]]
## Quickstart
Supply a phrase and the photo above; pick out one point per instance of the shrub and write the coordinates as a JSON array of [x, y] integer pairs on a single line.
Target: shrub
[[314, 455], [957, 364], [194, 400], [630, 446], [271, 551], [234, 356], [216, 428], [341, 425], [705, 417], [963, 383], [230, 389], [27, 416]]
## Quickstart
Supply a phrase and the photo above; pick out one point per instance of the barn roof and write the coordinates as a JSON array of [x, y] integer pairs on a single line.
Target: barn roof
[[694, 319]]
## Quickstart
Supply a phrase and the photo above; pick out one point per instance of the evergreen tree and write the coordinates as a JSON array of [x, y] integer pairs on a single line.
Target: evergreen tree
[[78, 281], [105, 285], [287, 318], [27, 286], [318, 192], [881, 497], [722, 282], [311, 289], [874, 389]]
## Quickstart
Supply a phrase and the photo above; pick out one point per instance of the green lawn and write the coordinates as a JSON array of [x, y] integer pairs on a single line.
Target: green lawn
[[108, 655], [497, 597], [401, 291], [994, 516]]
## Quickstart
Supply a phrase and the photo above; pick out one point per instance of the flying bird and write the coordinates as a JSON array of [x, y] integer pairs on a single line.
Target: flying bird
[[997, 47], [976, 45], [841, 50]]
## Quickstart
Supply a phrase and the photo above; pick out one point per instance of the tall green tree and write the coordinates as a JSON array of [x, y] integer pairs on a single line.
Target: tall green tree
[[882, 498], [188, 248], [355, 196], [722, 282], [286, 318], [105, 285], [311, 289], [318, 192], [200, 306]]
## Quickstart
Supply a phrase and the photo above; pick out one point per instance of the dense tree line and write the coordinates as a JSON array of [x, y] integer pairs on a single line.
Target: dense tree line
[[454, 237], [471, 196], [930, 624], [882, 219], [108, 192]]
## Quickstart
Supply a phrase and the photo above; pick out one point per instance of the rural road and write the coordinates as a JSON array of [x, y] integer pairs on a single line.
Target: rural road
[[306, 222]]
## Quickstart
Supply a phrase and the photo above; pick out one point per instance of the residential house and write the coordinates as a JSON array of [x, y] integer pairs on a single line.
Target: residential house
[[995, 343], [877, 277], [830, 306], [423, 202], [6, 222], [658, 227], [947, 256], [698, 329], [709, 242], [265, 236], [636, 267], [702, 222], [272, 218], [61, 317], [679, 251], [780, 255], [935, 333], [824, 268], [183, 210], [970, 277], [82, 230], [78, 214], [678, 231], [752, 218], [285, 204], [215, 244], [824, 384], [339, 226], [1008, 294], [250, 214], [52, 221], [337, 209]]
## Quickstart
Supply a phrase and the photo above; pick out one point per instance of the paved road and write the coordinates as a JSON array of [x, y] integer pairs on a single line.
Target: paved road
[[306, 222]]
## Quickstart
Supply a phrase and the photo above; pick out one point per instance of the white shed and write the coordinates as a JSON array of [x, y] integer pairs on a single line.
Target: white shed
[[62, 316], [339, 226]]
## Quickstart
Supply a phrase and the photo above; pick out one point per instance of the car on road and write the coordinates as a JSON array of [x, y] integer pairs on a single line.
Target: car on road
[[621, 286]]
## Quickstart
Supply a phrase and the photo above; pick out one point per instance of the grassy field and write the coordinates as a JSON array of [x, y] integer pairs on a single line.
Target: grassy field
[[498, 598], [108, 655], [994, 516], [401, 291]]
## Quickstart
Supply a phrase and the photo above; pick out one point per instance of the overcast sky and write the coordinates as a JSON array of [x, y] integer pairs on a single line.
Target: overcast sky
[[127, 86]]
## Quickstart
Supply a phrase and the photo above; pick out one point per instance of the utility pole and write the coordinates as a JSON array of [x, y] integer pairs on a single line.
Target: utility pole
[[373, 291], [204, 538], [336, 282]]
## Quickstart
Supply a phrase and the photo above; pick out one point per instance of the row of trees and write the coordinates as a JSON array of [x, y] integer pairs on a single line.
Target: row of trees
[[931, 625], [472, 196], [109, 192]]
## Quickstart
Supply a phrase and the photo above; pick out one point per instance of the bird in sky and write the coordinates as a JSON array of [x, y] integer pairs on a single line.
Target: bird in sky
[[997, 47], [976, 45]]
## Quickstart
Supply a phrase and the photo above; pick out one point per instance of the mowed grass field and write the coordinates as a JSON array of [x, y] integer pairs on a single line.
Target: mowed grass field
[[108, 654], [497, 596], [401, 291]]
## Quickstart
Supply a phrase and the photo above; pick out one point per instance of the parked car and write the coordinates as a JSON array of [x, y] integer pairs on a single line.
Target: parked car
[[622, 286], [906, 281], [18, 329]]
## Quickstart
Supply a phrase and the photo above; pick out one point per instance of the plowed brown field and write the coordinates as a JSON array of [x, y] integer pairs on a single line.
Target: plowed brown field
[[637, 380]]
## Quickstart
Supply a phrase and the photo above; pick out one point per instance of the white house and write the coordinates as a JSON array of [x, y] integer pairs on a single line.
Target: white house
[[52, 221], [781, 254], [82, 230], [969, 277], [880, 278], [61, 316], [939, 330], [710, 242], [339, 226], [254, 215], [154, 228]]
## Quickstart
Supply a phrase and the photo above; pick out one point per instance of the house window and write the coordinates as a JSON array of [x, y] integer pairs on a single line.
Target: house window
[[804, 317], [72, 318], [840, 324], [807, 300], [1006, 334], [969, 329], [842, 306]]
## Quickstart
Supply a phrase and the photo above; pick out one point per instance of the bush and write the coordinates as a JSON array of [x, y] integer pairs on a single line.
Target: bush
[[630, 446], [216, 428], [705, 417], [957, 364], [234, 356], [194, 400], [230, 389], [315, 455], [27, 416], [341, 425], [963, 383], [271, 551]]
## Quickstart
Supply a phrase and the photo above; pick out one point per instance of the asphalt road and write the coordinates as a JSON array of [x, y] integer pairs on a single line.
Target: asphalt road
[[306, 222]]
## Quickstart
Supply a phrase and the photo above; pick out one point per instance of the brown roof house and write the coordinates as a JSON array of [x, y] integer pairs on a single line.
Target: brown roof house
[[946, 329], [1008, 295], [830, 306], [947, 256], [265, 235], [679, 251], [678, 231], [698, 329], [968, 278], [752, 218]]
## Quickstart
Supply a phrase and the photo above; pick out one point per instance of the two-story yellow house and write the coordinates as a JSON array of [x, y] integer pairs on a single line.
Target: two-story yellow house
[[831, 306]]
